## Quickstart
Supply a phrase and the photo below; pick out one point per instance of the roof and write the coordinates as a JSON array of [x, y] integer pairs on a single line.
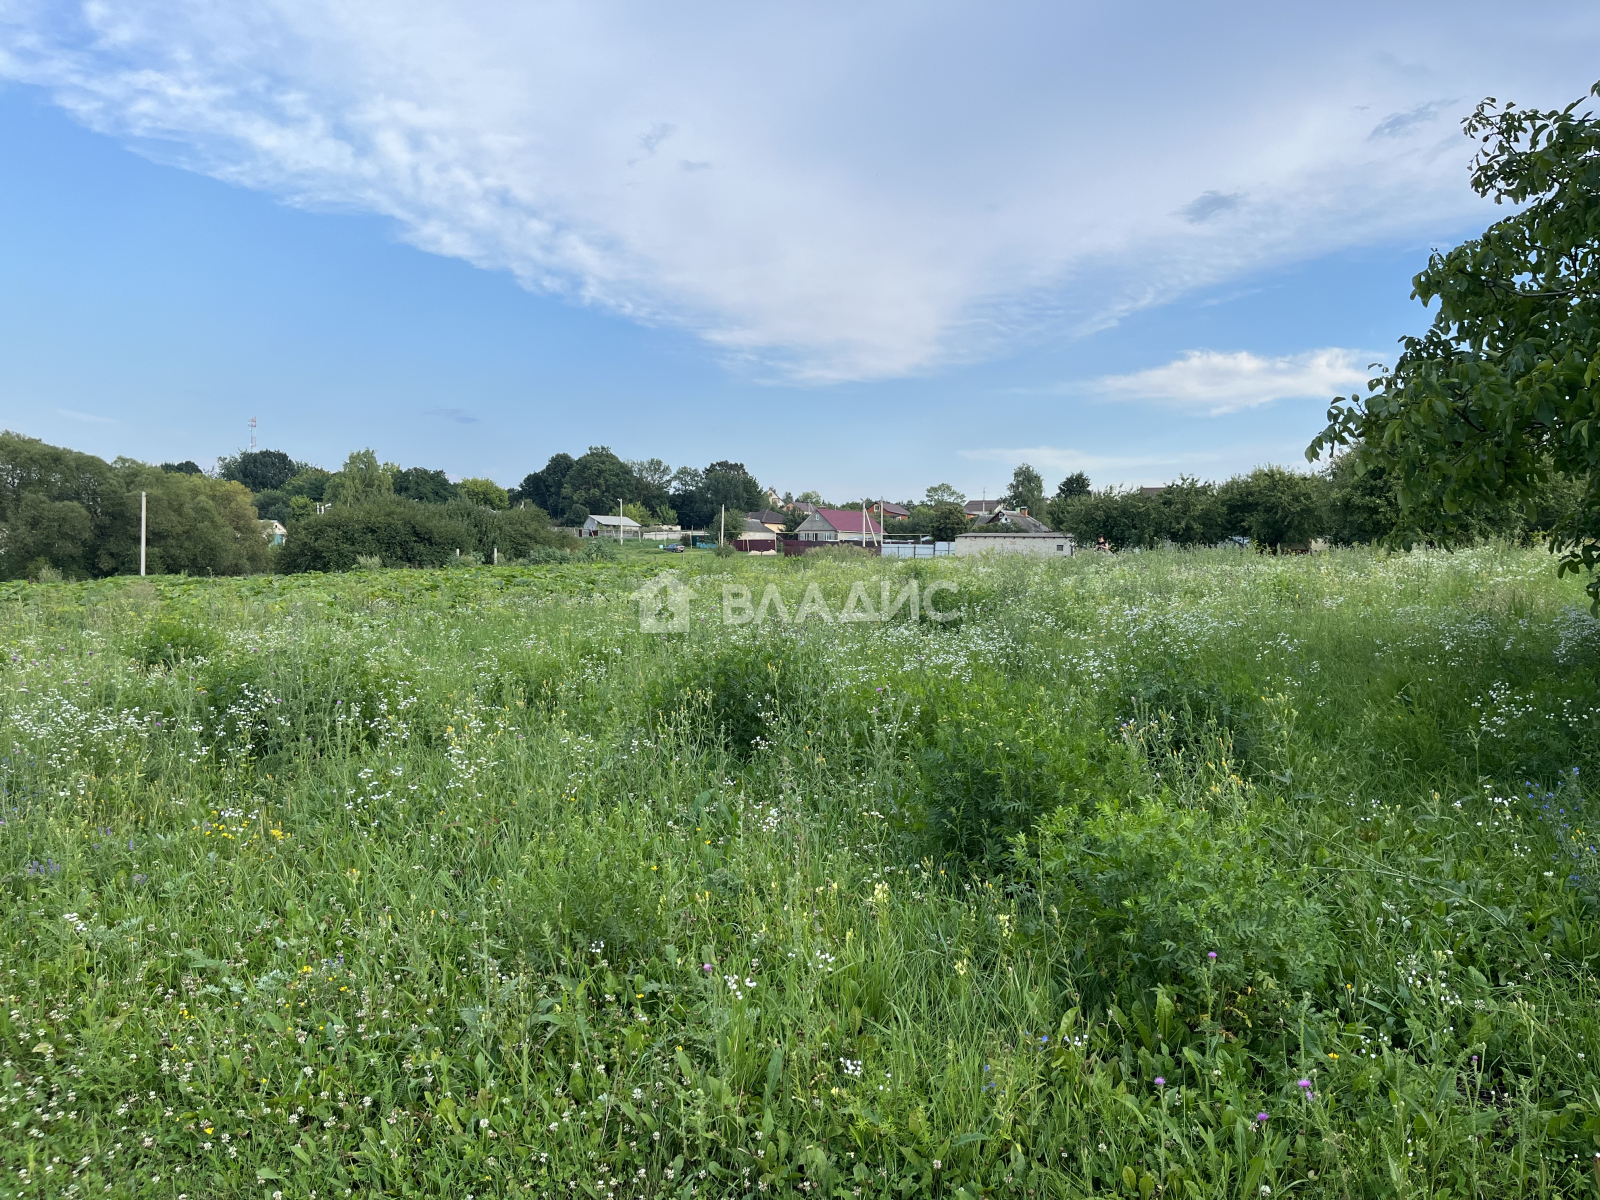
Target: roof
[[895, 510], [804, 506], [1153, 491], [847, 520], [755, 525], [1009, 521], [973, 507], [767, 517], [625, 522]]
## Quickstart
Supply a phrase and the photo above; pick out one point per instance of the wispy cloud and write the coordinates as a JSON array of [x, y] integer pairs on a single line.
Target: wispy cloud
[[1206, 381], [459, 415], [893, 188], [1397, 124], [85, 418], [1210, 204]]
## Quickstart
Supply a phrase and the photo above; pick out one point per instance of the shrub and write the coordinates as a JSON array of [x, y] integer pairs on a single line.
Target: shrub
[[399, 532], [171, 638], [1155, 889], [992, 764]]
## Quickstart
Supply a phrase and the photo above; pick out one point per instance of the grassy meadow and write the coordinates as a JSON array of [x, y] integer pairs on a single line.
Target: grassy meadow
[[1190, 875]]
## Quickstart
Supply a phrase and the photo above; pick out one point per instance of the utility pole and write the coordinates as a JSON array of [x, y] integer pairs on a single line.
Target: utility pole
[[141, 531], [722, 527], [619, 520]]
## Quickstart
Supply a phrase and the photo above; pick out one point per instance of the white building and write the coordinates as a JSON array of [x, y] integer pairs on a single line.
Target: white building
[[1050, 545], [610, 526]]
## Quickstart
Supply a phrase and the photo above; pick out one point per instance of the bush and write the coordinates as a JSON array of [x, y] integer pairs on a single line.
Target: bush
[[172, 638], [1158, 888], [399, 532], [993, 764]]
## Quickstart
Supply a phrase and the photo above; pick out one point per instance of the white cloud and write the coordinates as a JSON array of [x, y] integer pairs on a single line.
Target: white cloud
[[1213, 383], [85, 418], [827, 191]]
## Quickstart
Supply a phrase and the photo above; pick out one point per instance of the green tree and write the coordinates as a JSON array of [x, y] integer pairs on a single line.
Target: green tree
[[949, 521], [1273, 507], [651, 472], [187, 467], [1362, 504], [310, 482], [598, 480], [362, 480], [1500, 397], [34, 477], [258, 470], [425, 486], [1191, 515], [484, 492], [542, 488], [42, 532], [1076, 484], [1027, 490], [705, 494], [1125, 519], [941, 493]]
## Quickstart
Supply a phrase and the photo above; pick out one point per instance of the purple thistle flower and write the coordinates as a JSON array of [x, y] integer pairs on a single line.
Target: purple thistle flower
[[1160, 1082], [1262, 1117], [1212, 955], [1305, 1083]]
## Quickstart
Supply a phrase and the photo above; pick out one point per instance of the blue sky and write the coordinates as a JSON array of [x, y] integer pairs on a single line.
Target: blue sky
[[861, 247]]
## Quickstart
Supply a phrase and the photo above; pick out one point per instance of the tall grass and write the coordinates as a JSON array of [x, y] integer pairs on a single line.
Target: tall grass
[[1200, 875]]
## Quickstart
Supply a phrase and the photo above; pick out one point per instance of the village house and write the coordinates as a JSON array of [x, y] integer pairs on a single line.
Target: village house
[[757, 538], [979, 508], [772, 519], [839, 525], [595, 526], [1012, 531]]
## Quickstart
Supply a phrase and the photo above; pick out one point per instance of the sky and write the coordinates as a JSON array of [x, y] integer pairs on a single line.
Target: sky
[[861, 247]]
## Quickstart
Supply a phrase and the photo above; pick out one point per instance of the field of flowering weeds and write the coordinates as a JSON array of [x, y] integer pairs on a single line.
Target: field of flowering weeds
[[1190, 875]]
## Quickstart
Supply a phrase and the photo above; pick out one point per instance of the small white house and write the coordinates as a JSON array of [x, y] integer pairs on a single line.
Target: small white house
[[1050, 545], [273, 531], [609, 526]]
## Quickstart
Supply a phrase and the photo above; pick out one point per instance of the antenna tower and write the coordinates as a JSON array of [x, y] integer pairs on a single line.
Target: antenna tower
[[252, 433]]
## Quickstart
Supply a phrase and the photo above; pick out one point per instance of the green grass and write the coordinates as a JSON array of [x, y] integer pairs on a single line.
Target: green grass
[[454, 883]]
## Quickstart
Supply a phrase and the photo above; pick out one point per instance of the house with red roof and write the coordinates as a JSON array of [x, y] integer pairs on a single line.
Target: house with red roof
[[839, 525]]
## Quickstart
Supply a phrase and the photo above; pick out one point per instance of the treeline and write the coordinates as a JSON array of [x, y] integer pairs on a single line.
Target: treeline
[[64, 514], [649, 491], [72, 515], [1274, 508], [370, 511]]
